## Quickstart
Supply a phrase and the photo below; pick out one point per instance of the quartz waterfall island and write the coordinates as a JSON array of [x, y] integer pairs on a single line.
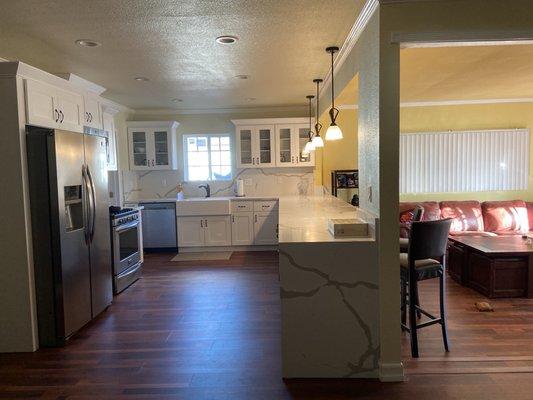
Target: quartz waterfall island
[[329, 291]]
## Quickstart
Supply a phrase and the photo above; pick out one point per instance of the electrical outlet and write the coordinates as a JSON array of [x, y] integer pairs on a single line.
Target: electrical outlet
[[248, 182]]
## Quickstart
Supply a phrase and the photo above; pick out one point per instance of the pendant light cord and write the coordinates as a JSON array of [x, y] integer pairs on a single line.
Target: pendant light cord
[[332, 83], [333, 112], [310, 118], [318, 126]]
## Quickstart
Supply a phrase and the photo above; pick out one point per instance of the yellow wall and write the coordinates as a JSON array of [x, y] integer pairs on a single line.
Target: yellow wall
[[343, 154]]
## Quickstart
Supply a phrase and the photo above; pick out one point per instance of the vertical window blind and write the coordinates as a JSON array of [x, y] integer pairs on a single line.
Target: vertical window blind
[[464, 161]]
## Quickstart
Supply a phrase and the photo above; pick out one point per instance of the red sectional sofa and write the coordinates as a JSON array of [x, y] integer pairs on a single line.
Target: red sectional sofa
[[490, 218]]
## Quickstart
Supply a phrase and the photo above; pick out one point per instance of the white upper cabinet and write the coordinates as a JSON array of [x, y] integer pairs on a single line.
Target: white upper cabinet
[[92, 115], [152, 145], [272, 143], [51, 107], [108, 122], [255, 146]]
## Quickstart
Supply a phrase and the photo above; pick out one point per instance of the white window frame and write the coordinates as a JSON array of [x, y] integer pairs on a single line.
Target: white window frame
[[209, 136]]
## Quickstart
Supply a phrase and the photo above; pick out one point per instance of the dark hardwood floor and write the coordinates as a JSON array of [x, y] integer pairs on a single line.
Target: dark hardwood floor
[[211, 330]]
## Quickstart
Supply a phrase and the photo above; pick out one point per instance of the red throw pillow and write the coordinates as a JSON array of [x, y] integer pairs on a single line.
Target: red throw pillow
[[407, 216]]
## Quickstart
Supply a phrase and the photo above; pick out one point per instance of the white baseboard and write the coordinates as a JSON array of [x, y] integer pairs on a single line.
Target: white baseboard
[[391, 372], [226, 248]]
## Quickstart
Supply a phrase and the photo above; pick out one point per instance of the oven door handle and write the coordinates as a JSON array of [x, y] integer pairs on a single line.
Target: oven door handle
[[127, 226]]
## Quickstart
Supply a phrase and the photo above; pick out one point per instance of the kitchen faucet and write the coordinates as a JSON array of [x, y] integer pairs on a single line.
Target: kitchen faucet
[[207, 189]]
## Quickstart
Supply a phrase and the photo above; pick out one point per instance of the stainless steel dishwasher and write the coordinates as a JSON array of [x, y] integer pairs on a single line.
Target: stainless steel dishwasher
[[159, 226]]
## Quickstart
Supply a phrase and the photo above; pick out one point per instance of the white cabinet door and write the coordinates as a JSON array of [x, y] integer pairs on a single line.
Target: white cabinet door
[[300, 138], [245, 152], [242, 229], [266, 228], [41, 107], [109, 126], [162, 150], [285, 151], [191, 231], [139, 141], [93, 115], [217, 230], [265, 145], [70, 107]]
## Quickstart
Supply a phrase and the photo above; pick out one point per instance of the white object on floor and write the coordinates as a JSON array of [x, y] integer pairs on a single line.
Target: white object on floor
[[204, 256]]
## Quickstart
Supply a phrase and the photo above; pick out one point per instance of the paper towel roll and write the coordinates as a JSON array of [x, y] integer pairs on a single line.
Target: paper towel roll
[[239, 188]]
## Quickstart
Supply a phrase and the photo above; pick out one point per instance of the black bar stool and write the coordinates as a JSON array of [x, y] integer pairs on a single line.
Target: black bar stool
[[425, 259]]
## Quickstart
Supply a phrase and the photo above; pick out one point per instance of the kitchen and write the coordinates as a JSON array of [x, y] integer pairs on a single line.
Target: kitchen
[[107, 190]]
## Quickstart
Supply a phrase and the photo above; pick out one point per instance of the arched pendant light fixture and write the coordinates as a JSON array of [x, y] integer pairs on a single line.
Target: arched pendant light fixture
[[309, 146], [333, 132], [317, 140]]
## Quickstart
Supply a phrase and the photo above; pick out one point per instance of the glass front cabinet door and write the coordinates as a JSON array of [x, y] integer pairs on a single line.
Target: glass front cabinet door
[[265, 147], [284, 154], [301, 137], [138, 148], [245, 153]]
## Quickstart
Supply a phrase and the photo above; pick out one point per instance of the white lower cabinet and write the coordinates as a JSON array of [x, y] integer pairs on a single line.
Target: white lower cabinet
[[266, 228], [217, 230], [204, 231], [242, 229], [191, 232]]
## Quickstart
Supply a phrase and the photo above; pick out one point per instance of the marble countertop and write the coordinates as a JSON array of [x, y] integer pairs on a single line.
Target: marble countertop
[[173, 199], [305, 219]]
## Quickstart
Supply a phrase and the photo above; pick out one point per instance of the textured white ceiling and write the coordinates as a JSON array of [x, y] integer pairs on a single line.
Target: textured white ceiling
[[172, 43]]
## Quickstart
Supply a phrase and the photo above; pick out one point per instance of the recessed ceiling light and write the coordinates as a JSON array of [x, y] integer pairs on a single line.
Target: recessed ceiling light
[[242, 76], [226, 39], [141, 79], [177, 100], [87, 43]]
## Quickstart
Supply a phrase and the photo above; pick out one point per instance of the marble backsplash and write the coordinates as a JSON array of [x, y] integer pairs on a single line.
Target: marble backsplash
[[140, 185]]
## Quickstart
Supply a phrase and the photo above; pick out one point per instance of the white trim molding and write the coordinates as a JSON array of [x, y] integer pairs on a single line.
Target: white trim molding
[[270, 121], [441, 103], [357, 29], [391, 372], [301, 108]]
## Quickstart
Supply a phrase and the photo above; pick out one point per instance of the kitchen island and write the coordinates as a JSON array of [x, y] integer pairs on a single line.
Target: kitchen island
[[329, 291]]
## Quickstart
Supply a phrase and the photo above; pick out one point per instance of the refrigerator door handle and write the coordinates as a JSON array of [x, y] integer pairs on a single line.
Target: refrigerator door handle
[[93, 204], [86, 203]]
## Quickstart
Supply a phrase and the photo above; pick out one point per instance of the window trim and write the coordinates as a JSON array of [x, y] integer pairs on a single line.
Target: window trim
[[209, 136]]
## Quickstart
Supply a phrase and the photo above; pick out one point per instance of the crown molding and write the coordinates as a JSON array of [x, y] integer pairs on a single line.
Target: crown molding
[[349, 43], [3, 60], [237, 110], [270, 121], [448, 103], [82, 83]]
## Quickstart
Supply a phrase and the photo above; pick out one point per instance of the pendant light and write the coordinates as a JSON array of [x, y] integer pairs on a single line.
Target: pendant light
[[333, 132], [309, 146], [317, 140]]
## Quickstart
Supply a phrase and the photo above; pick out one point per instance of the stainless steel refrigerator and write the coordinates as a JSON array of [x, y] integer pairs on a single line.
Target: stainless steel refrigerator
[[70, 226]]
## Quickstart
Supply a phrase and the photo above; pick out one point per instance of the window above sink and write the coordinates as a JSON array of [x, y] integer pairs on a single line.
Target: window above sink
[[207, 157]]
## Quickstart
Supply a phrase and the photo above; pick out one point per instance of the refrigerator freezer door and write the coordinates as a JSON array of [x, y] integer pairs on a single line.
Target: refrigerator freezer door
[[100, 245], [75, 268]]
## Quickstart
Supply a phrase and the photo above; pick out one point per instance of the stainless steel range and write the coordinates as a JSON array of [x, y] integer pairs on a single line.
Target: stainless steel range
[[126, 246]]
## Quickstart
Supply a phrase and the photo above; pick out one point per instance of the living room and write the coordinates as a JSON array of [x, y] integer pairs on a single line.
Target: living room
[[465, 153]]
